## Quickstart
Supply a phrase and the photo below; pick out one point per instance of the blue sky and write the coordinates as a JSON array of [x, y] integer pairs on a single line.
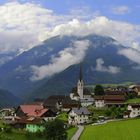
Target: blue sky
[[105, 7]]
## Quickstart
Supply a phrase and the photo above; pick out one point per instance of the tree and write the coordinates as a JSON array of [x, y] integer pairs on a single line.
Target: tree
[[99, 90], [55, 130]]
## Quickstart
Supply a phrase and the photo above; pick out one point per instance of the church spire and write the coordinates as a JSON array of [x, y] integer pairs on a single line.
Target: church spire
[[80, 84], [81, 73]]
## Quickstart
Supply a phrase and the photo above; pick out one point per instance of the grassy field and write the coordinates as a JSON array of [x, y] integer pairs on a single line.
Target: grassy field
[[135, 100], [121, 130], [18, 136], [21, 135], [71, 132]]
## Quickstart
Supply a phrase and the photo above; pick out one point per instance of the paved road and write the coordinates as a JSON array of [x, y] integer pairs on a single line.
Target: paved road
[[78, 133]]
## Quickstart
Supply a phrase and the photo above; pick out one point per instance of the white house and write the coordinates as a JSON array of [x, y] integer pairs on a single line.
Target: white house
[[134, 110], [135, 88], [78, 116], [99, 101], [109, 100], [7, 113]]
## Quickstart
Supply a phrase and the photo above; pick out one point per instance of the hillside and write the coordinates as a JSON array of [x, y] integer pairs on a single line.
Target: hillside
[[7, 99], [102, 63]]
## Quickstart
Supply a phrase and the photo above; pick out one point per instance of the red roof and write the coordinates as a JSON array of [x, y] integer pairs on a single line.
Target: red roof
[[33, 110]]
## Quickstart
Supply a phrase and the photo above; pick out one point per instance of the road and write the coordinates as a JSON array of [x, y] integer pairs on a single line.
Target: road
[[78, 133]]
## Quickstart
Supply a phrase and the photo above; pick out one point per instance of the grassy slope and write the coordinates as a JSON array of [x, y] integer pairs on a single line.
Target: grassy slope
[[71, 132], [122, 130], [19, 136]]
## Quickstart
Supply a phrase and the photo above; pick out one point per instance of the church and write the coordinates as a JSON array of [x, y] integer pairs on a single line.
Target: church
[[81, 93]]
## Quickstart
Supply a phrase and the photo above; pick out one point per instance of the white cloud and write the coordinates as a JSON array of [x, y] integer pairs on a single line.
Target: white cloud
[[123, 32], [120, 10], [33, 24], [22, 24], [135, 45], [30, 24], [23, 28], [110, 69], [65, 58], [131, 54]]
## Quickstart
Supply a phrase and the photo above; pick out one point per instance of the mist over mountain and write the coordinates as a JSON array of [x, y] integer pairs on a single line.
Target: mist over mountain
[[52, 67]]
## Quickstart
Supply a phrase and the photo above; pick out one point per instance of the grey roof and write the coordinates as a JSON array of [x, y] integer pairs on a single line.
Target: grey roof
[[81, 110], [87, 100]]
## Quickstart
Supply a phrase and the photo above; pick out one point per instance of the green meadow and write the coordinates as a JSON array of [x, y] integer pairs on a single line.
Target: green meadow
[[135, 100], [22, 135], [121, 130]]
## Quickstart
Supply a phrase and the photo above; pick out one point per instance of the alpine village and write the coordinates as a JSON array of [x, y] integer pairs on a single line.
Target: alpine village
[[69, 69], [81, 108]]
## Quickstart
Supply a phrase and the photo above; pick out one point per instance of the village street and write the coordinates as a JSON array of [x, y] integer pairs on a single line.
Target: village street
[[78, 133]]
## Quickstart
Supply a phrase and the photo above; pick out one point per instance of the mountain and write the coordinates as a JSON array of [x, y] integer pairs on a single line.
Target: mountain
[[7, 99], [102, 63], [5, 57]]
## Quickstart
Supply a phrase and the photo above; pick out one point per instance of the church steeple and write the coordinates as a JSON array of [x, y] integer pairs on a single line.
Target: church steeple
[[81, 73], [80, 84]]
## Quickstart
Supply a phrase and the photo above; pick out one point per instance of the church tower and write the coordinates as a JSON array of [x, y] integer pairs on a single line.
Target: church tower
[[80, 84]]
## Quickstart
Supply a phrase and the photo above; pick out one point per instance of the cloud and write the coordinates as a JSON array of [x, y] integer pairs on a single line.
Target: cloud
[[33, 24], [23, 28], [110, 69], [123, 32], [135, 45], [120, 10], [65, 58], [22, 23], [30, 24], [131, 54]]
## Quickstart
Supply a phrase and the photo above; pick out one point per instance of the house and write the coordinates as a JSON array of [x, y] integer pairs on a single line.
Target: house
[[99, 101], [7, 113], [114, 100], [109, 100], [60, 103], [126, 114], [134, 110], [118, 89], [78, 116], [37, 111], [116, 92], [30, 124], [135, 88], [81, 93]]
